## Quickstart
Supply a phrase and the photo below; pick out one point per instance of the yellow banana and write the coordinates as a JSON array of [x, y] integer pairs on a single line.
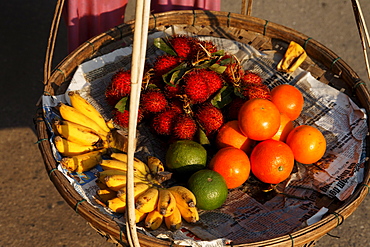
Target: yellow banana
[[153, 220], [293, 57], [106, 194], [166, 202], [118, 181], [138, 164], [119, 165], [190, 214], [147, 201], [76, 133], [83, 162], [110, 124], [183, 196], [101, 175], [139, 188], [113, 165], [117, 205], [174, 221], [71, 114], [68, 148], [155, 165], [139, 216], [84, 106]]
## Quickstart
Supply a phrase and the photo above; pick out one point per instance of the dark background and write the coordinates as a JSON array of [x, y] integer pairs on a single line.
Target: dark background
[[32, 213]]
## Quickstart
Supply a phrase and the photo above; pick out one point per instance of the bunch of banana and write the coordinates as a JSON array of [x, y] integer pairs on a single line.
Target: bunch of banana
[[153, 202], [82, 134]]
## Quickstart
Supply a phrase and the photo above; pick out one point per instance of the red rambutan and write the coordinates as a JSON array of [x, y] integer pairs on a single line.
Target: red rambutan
[[252, 91], [210, 118], [213, 79], [153, 101], [122, 118], [171, 91], [119, 87], [196, 87], [184, 46], [250, 77], [165, 64], [163, 122], [184, 127]]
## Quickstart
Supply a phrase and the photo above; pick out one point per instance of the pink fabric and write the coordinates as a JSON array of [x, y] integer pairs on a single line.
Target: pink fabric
[[88, 18], [168, 5]]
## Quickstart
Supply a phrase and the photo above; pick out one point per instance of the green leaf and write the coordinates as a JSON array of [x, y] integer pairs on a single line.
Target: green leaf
[[151, 86], [173, 76], [122, 105], [225, 61], [164, 46], [223, 97], [218, 68], [203, 139], [218, 53], [238, 93], [204, 64]]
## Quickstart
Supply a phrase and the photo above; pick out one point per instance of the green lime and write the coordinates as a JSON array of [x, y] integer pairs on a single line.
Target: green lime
[[209, 188], [186, 157]]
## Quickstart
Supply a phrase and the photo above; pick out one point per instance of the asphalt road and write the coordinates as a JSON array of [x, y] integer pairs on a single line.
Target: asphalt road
[[32, 213]]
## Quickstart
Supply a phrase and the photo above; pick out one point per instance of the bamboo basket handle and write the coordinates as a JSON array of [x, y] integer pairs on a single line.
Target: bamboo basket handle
[[246, 8], [362, 31], [52, 38], [142, 15]]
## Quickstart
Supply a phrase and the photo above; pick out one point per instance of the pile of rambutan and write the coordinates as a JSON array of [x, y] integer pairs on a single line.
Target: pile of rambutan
[[189, 91]]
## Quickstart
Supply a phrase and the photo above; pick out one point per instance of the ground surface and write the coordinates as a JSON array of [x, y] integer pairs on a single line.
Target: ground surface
[[32, 211]]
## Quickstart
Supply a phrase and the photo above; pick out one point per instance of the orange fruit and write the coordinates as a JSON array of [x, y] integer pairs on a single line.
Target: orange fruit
[[209, 188], [288, 100], [259, 119], [233, 164], [272, 161], [286, 125], [307, 143], [229, 135]]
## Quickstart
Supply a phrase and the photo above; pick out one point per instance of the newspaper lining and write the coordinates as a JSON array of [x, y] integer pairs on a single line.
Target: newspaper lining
[[242, 219]]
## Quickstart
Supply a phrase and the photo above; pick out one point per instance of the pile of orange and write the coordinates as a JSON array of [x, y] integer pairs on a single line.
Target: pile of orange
[[265, 141]]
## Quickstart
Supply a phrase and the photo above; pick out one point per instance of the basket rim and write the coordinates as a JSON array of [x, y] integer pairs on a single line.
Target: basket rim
[[66, 67]]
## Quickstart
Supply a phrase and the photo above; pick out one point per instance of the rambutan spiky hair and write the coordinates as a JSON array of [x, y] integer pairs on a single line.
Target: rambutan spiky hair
[[251, 77], [255, 90], [153, 101], [119, 87], [163, 122], [184, 127], [209, 117], [183, 45], [165, 64]]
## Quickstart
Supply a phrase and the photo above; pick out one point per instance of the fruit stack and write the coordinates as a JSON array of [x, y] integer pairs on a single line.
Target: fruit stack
[[197, 92], [220, 122]]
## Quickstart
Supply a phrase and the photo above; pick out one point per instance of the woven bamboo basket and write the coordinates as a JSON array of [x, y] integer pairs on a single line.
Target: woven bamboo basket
[[322, 63]]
